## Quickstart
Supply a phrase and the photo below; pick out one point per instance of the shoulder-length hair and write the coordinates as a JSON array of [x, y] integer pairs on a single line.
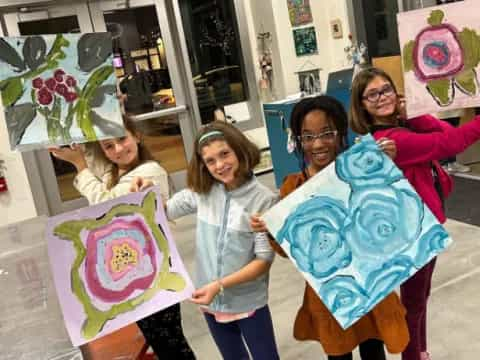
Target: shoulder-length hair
[[199, 178], [335, 113], [360, 120], [144, 154]]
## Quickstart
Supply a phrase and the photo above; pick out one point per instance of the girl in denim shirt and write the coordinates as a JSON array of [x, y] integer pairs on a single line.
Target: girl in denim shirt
[[232, 262]]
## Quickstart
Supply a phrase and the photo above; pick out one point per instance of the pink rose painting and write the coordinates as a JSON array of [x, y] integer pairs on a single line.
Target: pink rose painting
[[113, 264], [440, 57]]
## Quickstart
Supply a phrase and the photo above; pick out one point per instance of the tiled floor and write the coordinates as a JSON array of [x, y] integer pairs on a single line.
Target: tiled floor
[[454, 306]]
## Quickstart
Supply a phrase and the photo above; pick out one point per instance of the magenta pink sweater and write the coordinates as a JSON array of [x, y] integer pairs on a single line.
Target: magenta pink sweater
[[427, 139]]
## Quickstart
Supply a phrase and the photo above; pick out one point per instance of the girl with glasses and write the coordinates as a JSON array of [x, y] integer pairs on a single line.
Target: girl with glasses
[[320, 128], [421, 142]]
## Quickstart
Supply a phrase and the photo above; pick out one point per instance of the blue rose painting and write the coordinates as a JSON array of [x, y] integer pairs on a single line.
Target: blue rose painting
[[356, 231]]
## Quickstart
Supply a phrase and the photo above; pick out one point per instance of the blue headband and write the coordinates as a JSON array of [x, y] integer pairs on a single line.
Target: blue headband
[[209, 134]]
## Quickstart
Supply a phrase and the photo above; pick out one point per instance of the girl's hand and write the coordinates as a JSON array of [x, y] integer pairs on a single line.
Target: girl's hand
[[139, 184], [388, 147], [73, 154], [257, 224], [205, 294], [401, 108]]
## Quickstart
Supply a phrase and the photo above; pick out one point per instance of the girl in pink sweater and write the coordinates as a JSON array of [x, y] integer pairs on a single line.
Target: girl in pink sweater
[[421, 142]]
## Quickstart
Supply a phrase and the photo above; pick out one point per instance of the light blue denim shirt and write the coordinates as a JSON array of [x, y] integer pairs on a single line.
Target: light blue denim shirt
[[225, 242]]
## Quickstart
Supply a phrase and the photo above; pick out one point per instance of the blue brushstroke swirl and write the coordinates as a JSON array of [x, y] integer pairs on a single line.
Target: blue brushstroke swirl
[[384, 280], [431, 243], [345, 298], [314, 231], [366, 165], [384, 222]]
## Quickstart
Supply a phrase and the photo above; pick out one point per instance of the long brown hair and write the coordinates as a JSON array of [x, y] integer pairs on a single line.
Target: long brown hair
[[360, 120], [144, 154], [199, 178]]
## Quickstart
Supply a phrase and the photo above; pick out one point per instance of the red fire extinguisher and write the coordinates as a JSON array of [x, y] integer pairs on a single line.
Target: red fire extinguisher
[[3, 181]]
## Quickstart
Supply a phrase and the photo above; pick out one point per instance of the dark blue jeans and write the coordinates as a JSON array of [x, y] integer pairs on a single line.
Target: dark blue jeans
[[256, 331]]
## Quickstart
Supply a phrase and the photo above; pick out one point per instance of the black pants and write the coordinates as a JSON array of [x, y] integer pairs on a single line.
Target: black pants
[[372, 349], [163, 332]]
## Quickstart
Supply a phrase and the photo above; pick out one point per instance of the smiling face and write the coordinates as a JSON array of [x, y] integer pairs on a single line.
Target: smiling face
[[221, 162], [122, 151], [321, 151], [380, 100]]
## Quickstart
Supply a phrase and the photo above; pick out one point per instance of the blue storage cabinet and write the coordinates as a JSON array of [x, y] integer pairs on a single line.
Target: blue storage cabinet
[[277, 118]]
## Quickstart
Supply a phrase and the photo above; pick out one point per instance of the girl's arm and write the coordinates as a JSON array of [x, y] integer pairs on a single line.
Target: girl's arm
[[96, 191], [414, 148], [428, 124], [182, 203], [258, 266]]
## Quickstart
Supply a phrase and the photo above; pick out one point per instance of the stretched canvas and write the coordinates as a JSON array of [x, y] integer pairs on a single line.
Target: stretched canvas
[[440, 58], [305, 40], [59, 89], [356, 231], [299, 12], [114, 263]]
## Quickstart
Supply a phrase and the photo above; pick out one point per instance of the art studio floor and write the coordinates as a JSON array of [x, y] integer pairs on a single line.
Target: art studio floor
[[453, 314]]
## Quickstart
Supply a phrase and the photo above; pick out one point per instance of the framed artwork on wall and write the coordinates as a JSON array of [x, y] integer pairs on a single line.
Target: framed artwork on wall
[[336, 28], [299, 12], [305, 41]]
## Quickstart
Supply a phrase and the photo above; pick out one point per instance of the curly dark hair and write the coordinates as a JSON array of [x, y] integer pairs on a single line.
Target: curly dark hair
[[335, 114]]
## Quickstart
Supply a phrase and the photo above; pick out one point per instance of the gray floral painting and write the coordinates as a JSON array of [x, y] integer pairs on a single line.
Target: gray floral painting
[[356, 231], [59, 89]]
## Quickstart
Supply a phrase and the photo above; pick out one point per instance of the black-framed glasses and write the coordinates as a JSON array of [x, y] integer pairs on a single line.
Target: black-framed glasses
[[326, 137], [374, 96]]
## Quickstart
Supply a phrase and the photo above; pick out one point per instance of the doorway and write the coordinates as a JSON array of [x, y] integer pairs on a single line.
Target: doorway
[[160, 67]]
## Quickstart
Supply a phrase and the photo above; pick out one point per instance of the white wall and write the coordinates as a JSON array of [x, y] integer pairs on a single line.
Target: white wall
[[272, 15], [17, 204]]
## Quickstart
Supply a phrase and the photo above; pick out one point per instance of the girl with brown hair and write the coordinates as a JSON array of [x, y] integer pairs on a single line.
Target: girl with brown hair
[[121, 162], [421, 142], [232, 263]]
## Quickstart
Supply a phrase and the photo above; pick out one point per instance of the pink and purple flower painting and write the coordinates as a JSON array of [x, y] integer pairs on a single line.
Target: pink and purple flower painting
[[113, 264], [440, 58]]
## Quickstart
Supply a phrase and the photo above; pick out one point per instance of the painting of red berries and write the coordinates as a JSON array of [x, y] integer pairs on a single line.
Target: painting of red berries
[[440, 57], [59, 89]]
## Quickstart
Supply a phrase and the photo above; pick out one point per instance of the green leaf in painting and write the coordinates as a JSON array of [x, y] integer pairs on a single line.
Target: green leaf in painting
[[470, 42], [98, 97], [93, 50], [466, 81], [9, 55], [441, 91], [19, 118], [34, 51], [107, 127], [12, 90], [436, 17], [407, 56]]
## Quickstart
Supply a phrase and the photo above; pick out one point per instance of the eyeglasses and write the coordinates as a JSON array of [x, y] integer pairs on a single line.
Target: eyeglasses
[[374, 96], [326, 137]]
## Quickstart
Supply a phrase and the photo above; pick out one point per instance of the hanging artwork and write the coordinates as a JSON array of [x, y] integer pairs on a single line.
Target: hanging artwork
[[305, 41], [299, 12], [440, 58], [356, 231], [59, 89], [113, 264]]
